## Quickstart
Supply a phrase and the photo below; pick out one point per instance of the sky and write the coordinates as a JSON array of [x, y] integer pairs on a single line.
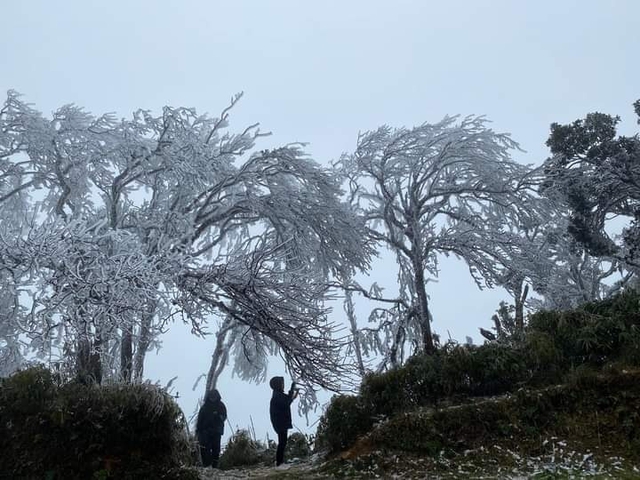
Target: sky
[[320, 72]]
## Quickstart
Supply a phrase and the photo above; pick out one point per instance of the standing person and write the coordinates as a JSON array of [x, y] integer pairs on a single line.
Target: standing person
[[280, 412], [210, 427]]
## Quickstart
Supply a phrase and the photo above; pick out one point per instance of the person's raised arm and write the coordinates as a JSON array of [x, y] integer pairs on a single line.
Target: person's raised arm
[[293, 391]]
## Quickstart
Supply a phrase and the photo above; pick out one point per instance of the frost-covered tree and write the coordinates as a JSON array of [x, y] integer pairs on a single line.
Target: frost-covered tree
[[384, 337], [541, 256], [558, 270], [573, 276], [83, 288], [127, 224], [598, 176], [537, 253], [444, 188]]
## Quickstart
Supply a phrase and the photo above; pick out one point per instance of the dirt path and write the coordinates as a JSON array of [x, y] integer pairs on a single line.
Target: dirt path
[[294, 471]]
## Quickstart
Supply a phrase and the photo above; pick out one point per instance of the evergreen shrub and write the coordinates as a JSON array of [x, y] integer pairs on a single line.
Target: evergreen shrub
[[555, 344], [243, 451], [298, 446], [595, 333], [71, 430], [344, 420]]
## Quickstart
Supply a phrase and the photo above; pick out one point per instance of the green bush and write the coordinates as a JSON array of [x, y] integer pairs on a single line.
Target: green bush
[[344, 420], [555, 344], [598, 412], [596, 332], [496, 369], [452, 373], [76, 431], [243, 451], [380, 394], [297, 446]]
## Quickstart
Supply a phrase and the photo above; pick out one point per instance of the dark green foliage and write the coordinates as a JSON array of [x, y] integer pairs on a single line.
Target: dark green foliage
[[394, 390], [597, 175], [504, 325], [598, 410], [298, 446], [30, 391], [594, 333], [455, 372], [544, 358], [76, 431], [555, 344], [489, 369], [243, 451], [343, 422]]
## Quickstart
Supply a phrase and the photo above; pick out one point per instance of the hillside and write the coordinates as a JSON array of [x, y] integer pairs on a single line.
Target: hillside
[[560, 401], [586, 427]]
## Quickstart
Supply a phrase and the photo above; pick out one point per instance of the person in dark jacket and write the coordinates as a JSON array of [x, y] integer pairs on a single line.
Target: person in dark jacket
[[210, 427], [280, 412]]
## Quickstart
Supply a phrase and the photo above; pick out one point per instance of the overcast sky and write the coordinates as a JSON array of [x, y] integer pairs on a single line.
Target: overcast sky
[[320, 74]]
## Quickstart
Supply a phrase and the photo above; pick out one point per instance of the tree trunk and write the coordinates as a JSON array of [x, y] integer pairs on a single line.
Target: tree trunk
[[144, 341], [353, 324], [89, 365], [398, 340], [422, 311], [126, 356], [520, 297], [96, 359], [221, 353], [83, 352]]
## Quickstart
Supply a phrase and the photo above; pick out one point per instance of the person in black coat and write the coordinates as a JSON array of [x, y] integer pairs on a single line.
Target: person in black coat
[[210, 427], [280, 412]]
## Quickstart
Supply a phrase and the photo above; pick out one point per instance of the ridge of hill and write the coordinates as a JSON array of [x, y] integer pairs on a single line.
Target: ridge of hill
[[587, 427]]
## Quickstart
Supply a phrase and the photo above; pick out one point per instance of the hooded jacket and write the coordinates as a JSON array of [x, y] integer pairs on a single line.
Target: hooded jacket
[[211, 416], [280, 406]]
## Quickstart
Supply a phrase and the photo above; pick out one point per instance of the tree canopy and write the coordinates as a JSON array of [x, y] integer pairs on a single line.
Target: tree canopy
[[597, 174], [444, 188], [113, 228]]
